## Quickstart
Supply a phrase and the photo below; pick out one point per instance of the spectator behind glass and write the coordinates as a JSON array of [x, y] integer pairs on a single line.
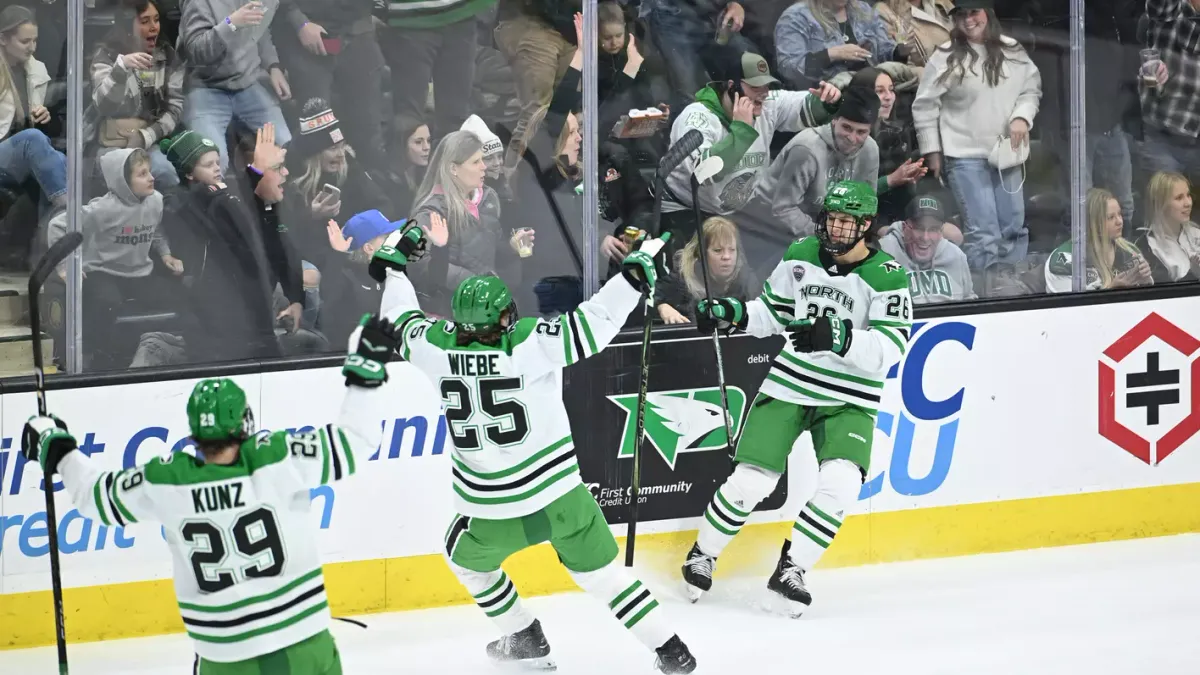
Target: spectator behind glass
[[1112, 260], [454, 189], [493, 149], [793, 189], [538, 39], [227, 280], [1170, 235], [120, 229], [729, 276], [1171, 104], [137, 89], [227, 46], [25, 152], [686, 34], [432, 41], [346, 287], [409, 154], [923, 25], [331, 53], [976, 91], [818, 39], [937, 269]]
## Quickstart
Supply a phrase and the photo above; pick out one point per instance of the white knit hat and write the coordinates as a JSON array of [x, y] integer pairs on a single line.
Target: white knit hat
[[491, 142]]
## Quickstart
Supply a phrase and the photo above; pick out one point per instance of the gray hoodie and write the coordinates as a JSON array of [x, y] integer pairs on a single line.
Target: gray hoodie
[[119, 230], [217, 55], [794, 186], [946, 278]]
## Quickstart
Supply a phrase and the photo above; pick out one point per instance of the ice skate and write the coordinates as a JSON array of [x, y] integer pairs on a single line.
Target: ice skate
[[788, 584], [697, 573], [526, 650], [674, 657]]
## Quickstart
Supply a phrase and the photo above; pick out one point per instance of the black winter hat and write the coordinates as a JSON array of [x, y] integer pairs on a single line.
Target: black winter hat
[[319, 129], [859, 104], [965, 5]]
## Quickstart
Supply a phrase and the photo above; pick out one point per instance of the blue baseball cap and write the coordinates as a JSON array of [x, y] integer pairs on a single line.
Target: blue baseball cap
[[365, 226]]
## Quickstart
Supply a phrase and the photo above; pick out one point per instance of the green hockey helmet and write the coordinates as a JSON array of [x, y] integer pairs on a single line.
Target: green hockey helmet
[[852, 198], [478, 303], [217, 411]]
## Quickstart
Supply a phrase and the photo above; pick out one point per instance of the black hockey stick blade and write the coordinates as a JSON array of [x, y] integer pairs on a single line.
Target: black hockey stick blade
[[53, 256], [680, 151]]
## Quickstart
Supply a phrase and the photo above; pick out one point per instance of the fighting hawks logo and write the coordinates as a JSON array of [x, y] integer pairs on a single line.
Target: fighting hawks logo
[[685, 420]]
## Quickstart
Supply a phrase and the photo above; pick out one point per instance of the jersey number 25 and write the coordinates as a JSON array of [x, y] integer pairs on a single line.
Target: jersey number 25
[[503, 419]]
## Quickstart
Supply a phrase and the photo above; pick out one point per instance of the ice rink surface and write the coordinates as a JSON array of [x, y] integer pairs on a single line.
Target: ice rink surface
[[1102, 609]]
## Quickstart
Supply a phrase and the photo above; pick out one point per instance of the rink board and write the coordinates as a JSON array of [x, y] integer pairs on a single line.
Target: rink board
[[999, 432]]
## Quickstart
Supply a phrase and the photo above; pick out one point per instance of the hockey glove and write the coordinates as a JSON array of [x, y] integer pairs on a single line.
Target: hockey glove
[[46, 441], [724, 314], [822, 334], [644, 266], [372, 346], [399, 249]]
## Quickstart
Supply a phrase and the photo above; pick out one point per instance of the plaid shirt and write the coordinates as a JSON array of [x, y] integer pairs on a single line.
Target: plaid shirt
[[1174, 29]]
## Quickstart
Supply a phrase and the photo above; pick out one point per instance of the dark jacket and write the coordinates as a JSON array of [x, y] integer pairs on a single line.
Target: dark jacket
[[360, 193], [278, 246], [480, 248], [337, 17], [1157, 270], [673, 291], [227, 277], [558, 14]]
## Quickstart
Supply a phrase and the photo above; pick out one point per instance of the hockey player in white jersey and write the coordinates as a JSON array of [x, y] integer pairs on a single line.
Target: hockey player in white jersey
[[846, 312], [515, 477], [236, 517]]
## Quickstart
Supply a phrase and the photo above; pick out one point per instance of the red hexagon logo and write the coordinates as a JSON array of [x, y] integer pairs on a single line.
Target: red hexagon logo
[[1143, 390]]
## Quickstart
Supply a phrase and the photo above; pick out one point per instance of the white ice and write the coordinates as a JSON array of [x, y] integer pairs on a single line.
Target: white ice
[[1101, 609]]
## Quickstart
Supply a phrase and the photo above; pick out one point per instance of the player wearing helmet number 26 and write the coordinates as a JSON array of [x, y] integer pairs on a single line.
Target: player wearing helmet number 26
[[515, 478], [846, 312], [236, 515]]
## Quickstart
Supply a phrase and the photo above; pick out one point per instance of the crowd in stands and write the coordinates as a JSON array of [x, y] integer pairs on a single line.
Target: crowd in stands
[[242, 161]]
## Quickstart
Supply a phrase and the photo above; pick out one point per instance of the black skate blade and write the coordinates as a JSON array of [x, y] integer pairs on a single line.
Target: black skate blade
[[542, 664]]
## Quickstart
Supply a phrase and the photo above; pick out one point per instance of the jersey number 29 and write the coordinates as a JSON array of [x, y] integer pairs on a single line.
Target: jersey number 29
[[505, 419], [254, 535]]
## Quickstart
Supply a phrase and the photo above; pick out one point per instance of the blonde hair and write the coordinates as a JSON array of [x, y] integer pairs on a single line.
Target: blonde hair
[[717, 230], [456, 148], [1101, 246], [310, 182], [823, 13], [1158, 198]]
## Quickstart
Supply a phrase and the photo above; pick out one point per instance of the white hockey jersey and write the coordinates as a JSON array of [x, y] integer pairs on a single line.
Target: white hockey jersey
[[243, 543], [745, 149], [513, 453], [872, 294]]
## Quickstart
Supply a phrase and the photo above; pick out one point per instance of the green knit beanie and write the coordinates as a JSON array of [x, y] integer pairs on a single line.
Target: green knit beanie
[[184, 149]]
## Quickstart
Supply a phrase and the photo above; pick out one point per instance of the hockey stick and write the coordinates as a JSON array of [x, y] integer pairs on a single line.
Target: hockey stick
[[706, 170], [674, 156], [44, 268]]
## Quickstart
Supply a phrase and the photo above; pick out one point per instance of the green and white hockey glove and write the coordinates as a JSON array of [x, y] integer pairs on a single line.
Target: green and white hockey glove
[[724, 314], [822, 334], [644, 266], [46, 441], [399, 249], [371, 347]]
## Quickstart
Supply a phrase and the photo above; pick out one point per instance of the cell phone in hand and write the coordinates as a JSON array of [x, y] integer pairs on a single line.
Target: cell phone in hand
[[330, 194]]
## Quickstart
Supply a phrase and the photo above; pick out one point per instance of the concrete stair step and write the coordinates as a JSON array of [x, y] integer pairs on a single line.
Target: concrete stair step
[[16, 354]]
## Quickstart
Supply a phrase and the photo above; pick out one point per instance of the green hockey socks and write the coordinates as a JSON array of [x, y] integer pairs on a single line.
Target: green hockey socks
[[629, 600]]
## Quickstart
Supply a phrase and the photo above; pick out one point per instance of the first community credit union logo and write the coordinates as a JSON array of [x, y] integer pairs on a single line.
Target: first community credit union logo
[[1150, 390], [685, 420]]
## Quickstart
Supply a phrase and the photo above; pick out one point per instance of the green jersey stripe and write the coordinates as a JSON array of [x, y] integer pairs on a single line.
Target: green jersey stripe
[[486, 501], [775, 297], [587, 332], [324, 459], [773, 313], [566, 338], [533, 459], [254, 600], [792, 358], [242, 637], [893, 324], [731, 508], [825, 516], [100, 503], [624, 594], [638, 617], [116, 500], [347, 451], [775, 377], [890, 333]]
